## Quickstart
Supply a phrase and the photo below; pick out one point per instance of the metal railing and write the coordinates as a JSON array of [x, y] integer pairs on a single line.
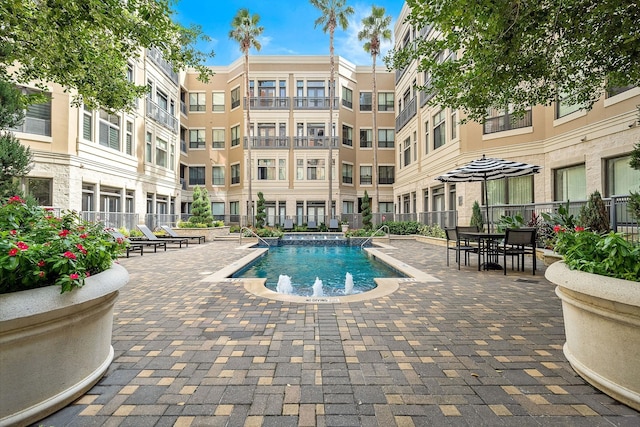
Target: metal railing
[[162, 116], [314, 142], [156, 57], [374, 235], [268, 103], [268, 141], [406, 114], [313, 103], [243, 229], [506, 122], [112, 219]]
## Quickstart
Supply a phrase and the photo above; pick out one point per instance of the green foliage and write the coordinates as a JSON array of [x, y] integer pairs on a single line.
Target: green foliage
[[432, 230], [505, 221], [268, 232], [260, 212], [38, 249], [12, 105], [562, 217], [362, 232], [520, 54], [608, 255], [634, 198], [15, 162], [201, 208], [86, 44], [593, 215], [476, 216], [403, 228], [190, 224], [366, 212]]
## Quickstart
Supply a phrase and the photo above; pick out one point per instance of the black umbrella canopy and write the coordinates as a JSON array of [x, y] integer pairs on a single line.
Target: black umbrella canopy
[[488, 169]]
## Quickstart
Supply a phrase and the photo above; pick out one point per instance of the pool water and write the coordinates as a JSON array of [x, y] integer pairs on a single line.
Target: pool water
[[328, 263]]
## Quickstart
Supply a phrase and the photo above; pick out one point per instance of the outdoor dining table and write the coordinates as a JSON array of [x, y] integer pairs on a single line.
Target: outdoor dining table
[[487, 248]]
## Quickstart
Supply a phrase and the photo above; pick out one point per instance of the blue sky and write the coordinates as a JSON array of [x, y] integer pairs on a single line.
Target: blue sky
[[288, 27]]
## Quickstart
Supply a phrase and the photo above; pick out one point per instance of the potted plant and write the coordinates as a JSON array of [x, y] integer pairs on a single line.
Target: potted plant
[[598, 283], [345, 226], [58, 286]]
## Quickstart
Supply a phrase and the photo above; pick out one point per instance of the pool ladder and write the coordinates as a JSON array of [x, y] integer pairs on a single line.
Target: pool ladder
[[374, 235], [254, 233]]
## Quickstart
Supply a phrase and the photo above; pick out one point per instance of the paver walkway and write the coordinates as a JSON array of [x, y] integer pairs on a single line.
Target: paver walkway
[[476, 349]]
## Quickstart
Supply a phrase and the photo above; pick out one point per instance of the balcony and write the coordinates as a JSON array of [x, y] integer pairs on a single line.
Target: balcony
[[406, 114], [156, 57], [313, 103], [162, 116], [268, 141], [183, 108], [314, 142], [506, 122], [267, 103]]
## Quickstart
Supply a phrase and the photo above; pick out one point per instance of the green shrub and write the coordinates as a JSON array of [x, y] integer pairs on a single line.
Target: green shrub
[[593, 215], [476, 216], [432, 230], [403, 228]]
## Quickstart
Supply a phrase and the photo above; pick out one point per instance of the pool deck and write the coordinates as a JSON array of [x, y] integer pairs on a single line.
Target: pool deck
[[447, 348]]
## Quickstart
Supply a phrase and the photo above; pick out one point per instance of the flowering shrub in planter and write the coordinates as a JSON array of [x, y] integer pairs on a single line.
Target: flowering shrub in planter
[[604, 254], [38, 249]]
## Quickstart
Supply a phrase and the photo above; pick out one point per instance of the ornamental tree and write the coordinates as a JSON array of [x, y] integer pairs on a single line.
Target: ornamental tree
[[499, 53], [84, 45], [366, 212]]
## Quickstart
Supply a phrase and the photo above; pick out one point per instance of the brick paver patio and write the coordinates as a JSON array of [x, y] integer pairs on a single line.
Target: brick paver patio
[[478, 348]]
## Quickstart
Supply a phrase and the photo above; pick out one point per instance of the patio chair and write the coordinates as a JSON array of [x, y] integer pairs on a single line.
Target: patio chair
[[333, 225], [312, 226], [172, 233], [153, 238], [288, 225], [519, 242], [460, 247], [137, 245]]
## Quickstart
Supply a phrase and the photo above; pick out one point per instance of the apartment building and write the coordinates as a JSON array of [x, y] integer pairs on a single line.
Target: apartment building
[[580, 151]]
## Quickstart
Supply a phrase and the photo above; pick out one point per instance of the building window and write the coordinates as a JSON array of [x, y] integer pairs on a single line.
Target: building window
[[347, 135], [386, 138], [148, 147], [621, 178], [235, 173], [40, 189], [564, 108], [162, 100], [347, 207], [617, 90], [347, 173], [109, 130], [129, 138], [570, 183], [218, 138], [197, 138], [406, 153], [366, 175], [347, 97], [196, 175], [385, 207], [161, 152], [426, 136], [235, 98], [282, 169], [235, 136], [454, 124], [37, 117], [197, 102], [217, 210], [502, 120], [315, 169], [366, 135], [386, 174], [439, 130], [234, 208], [267, 169], [218, 101], [87, 124], [217, 175], [385, 101], [365, 101], [510, 191]]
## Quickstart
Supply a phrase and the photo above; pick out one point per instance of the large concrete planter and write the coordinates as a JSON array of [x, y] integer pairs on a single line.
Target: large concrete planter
[[602, 327], [209, 233], [54, 347]]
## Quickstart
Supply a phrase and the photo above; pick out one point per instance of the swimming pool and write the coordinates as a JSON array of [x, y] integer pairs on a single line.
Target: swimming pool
[[328, 263]]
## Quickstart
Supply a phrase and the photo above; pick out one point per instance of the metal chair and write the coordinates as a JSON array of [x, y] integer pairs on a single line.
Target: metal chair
[[519, 242], [460, 246]]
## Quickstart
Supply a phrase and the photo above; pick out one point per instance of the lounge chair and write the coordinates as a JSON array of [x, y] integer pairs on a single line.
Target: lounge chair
[[288, 224], [333, 225], [137, 245], [173, 234], [312, 226], [153, 238]]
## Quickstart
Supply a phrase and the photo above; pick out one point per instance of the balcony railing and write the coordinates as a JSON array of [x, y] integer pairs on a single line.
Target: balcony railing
[[162, 116], [183, 108], [268, 141], [112, 219], [406, 114], [314, 142], [313, 103], [267, 103], [425, 97], [506, 122], [167, 69]]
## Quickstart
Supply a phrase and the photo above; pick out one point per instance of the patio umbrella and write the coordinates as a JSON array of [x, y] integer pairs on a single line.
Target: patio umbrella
[[487, 169]]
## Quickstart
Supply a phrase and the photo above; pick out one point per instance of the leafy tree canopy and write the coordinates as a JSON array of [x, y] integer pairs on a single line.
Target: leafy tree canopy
[[518, 54], [85, 45]]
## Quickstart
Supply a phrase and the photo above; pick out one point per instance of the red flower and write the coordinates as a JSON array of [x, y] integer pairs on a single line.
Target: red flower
[[41, 263], [87, 274], [557, 229], [48, 209], [69, 254], [22, 246], [63, 233], [81, 249], [579, 228], [13, 252], [120, 240], [15, 199], [41, 274], [83, 236], [74, 276], [13, 232]]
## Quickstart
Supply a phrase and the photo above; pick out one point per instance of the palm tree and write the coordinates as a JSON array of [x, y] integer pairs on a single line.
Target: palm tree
[[375, 29], [333, 13], [245, 30]]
